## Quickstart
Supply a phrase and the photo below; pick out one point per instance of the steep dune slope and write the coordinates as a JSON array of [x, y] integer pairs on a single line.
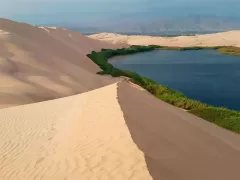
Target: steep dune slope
[[38, 64], [176, 144]]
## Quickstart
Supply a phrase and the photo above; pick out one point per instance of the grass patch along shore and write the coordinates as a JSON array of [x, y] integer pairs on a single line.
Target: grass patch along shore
[[222, 117], [233, 51], [227, 50]]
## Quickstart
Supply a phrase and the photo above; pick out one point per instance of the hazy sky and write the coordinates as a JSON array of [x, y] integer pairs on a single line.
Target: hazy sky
[[73, 11]]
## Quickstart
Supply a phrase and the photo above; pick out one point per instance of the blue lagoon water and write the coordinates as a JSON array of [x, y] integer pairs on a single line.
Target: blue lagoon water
[[204, 75]]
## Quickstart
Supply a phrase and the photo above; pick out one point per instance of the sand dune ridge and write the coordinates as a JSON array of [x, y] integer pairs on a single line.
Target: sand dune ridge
[[69, 138]]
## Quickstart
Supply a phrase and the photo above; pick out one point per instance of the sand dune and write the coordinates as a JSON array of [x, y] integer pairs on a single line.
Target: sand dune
[[231, 38], [70, 138], [176, 144], [43, 63], [115, 132]]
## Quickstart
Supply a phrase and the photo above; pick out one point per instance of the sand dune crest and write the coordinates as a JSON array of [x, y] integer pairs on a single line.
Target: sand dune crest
[[70, 138]]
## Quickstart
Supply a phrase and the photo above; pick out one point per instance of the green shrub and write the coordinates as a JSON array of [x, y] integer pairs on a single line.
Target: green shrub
[[233, 51], [225, 118]]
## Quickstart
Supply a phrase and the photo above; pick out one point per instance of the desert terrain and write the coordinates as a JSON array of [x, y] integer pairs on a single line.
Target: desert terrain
[[38, 64], [61, 121], [230, 38]]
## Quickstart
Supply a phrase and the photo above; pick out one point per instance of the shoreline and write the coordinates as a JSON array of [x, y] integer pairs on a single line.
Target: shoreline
[[218, 39], [219, 50], [225, 50], [223, 117]]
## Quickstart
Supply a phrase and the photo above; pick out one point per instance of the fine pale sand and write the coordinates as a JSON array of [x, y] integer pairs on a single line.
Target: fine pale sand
[[231, 38], [79, 137], [176, 144]]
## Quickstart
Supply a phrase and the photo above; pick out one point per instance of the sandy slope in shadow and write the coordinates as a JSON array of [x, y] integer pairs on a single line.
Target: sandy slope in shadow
[[177, 145]]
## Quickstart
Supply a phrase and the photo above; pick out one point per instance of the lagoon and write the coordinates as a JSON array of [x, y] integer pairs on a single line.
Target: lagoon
[[203, 75]]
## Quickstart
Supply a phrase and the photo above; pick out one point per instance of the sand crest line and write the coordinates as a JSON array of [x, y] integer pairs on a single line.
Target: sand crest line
[[69, 138]]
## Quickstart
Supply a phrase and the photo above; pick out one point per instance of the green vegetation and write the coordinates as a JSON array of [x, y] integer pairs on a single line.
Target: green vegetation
[[187, 48], [225, 118], [228, 50], [222, 117], [234, 51]]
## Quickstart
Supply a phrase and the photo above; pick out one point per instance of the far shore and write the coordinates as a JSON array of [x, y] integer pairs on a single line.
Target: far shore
[[230, 38]]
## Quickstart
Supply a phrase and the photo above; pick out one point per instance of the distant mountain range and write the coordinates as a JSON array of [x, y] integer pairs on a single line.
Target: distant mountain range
[[168, 26]]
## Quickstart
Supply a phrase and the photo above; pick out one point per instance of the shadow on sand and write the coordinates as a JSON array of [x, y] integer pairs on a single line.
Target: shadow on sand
[[178, 145]]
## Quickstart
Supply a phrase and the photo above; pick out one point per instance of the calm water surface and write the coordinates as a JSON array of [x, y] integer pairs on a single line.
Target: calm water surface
[[203, 75]]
